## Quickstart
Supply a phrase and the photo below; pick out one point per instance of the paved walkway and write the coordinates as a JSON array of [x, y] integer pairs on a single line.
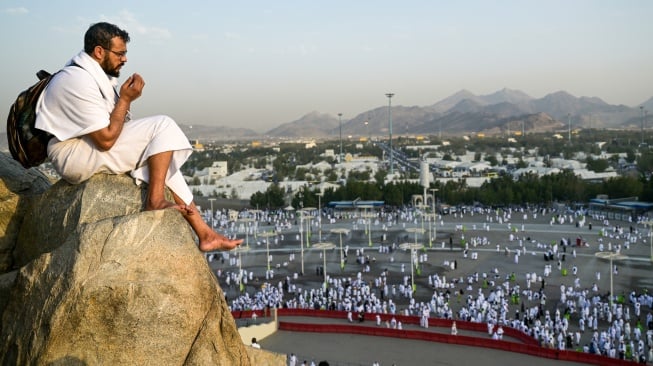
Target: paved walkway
[[355, 350]]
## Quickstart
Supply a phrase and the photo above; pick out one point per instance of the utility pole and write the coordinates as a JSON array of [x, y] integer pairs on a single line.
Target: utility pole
[[212, 214], [340, 122], [641, 109], [390, 95], [569, 124]]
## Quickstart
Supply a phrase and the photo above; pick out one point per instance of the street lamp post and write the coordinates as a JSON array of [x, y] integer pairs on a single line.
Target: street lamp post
[[341, 231], [301, 238], [412, 247], [319, 215], [367, 129], [390, 95], [367, 217], [612, 256], [309, 217], [267, 235], [569, 126], [340, 124], [423, 208], [324, 247], [247, 220], [641, 109], [433, 190], [212, 214], [240, 250], [430, 217], [435, 226]]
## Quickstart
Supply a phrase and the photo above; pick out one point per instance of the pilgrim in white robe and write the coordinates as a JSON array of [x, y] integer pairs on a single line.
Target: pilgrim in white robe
[[78, 101]]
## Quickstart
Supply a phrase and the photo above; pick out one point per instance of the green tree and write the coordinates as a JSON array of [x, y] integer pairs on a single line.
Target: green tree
[[492, 160], [273, 197], [392, 195], [597, 165]]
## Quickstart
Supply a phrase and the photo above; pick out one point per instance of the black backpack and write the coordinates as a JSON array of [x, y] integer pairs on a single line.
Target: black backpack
[[27, 144]]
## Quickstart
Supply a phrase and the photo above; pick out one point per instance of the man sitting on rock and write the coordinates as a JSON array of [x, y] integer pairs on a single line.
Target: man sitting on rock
[[93, 131]]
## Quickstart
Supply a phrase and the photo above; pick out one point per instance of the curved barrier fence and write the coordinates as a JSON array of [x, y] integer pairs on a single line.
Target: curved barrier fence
[[523, 343]]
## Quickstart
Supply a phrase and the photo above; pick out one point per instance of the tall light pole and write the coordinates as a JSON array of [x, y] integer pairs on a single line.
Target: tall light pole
[[340, 231], [301, 237], [319, 214], [340, 124], [611, 256], [212, 215], [641, 109], [412, 247], [390, 95], [435, 226], [569, 126], [267, 235], [433, 190], [240, 250], [367, 129], [309, 232], [324, 247], [650, 234]]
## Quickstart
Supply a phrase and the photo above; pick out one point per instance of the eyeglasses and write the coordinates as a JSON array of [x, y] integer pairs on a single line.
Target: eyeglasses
[[119, 54]]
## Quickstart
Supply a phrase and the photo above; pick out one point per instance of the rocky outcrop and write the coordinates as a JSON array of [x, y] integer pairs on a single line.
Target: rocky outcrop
[[105, 283], [261, 357], [60, 210], [18, 188]]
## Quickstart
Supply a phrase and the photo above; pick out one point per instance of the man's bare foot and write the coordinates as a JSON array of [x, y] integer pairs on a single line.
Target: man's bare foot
[[153, 205], [213, 241]]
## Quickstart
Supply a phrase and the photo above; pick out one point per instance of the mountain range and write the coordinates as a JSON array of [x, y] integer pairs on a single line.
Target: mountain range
[[502, 112]]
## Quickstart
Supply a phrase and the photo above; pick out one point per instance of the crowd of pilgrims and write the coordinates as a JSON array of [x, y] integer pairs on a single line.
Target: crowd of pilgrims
[[583, 319]]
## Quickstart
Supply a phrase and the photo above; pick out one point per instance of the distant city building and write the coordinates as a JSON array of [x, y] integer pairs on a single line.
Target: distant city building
[[197, 145], [216, 171]]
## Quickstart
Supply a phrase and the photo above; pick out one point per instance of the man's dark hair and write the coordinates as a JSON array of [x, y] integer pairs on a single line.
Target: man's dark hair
[[101, 34]]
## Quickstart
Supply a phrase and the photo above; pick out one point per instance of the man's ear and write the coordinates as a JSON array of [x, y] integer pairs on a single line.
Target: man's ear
[[98, 53]]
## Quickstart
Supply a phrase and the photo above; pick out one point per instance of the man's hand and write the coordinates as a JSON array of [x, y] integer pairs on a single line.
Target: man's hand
[[132, 88]]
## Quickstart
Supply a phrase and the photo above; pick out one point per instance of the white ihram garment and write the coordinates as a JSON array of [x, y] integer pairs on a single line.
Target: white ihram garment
[[78, 101]]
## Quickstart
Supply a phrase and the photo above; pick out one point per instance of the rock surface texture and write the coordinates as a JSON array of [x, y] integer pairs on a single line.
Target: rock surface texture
[[103, 283]]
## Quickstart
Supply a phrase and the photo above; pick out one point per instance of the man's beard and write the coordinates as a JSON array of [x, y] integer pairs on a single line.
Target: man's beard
[[111, 71]]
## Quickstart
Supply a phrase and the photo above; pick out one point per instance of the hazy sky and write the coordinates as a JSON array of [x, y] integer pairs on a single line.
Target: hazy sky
[[258, 64]]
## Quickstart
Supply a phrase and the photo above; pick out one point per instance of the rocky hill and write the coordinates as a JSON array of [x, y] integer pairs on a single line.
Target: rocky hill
[[88, 278], [465, 112], [313, 124]]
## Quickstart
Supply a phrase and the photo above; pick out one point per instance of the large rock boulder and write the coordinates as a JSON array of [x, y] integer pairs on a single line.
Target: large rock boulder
[[60, 210], [18, 188], [105, 283]]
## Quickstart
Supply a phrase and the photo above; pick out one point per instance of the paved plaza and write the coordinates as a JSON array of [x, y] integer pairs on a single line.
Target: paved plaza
[[495, 247]]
